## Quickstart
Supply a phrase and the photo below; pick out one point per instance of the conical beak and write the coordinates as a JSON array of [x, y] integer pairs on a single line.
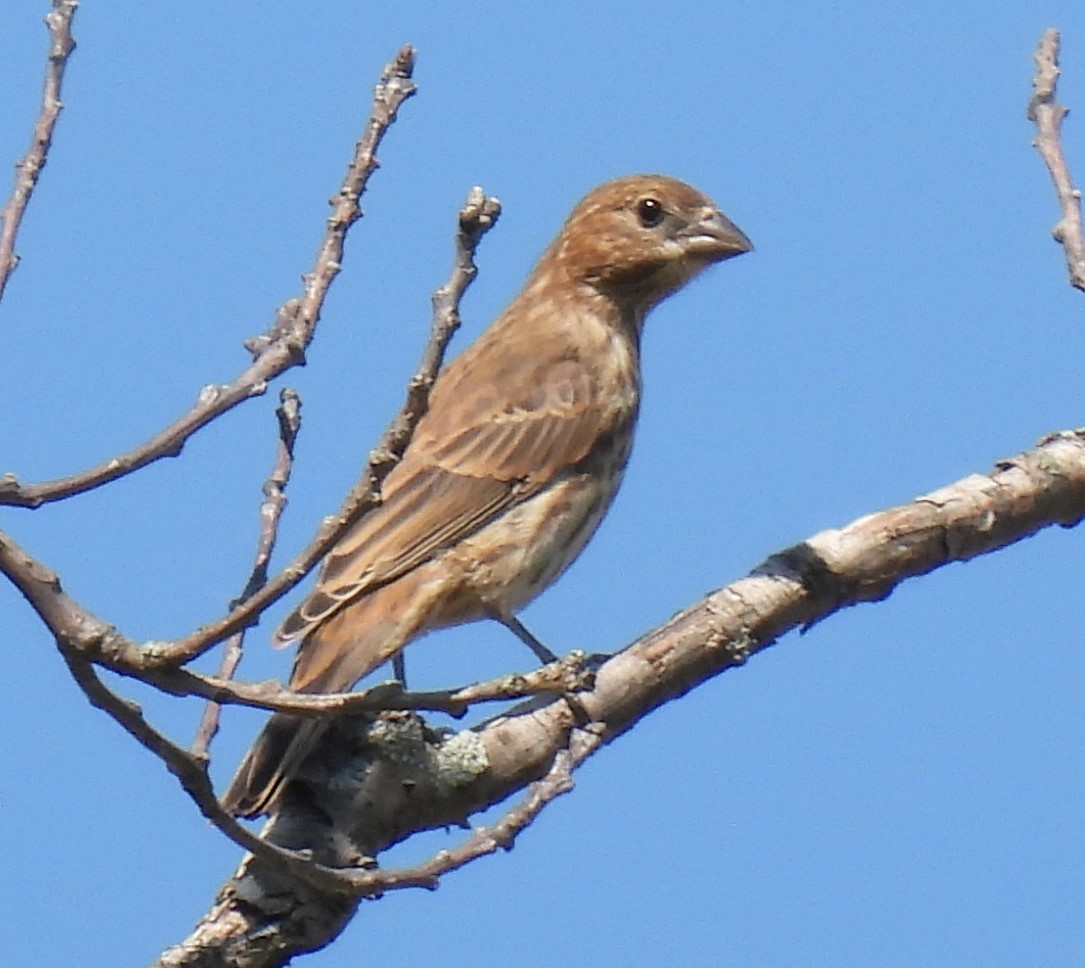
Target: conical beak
[[714, 235]]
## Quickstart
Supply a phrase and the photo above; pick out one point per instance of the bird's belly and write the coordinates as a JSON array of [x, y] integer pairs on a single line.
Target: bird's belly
[[518, 555]]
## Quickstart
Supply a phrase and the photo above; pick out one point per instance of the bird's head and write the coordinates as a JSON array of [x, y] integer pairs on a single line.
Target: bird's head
[[640, 238]]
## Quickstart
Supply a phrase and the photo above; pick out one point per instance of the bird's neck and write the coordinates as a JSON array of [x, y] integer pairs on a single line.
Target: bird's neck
[[569, 297]]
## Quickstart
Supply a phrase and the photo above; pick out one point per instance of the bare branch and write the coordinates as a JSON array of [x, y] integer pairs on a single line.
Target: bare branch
[[567, 675], [288, 414], [191, 772], [977, 515], [283, 346], [1047, 114], [100, 642], [66, 619], [486, 840], [28, 169], [476, 218], [350, 799]]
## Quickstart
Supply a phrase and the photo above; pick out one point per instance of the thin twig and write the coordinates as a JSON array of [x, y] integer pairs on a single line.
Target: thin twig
[[476, 218], [283, 346], [795, 588], [28, 169], [484, 841], [191, 773], [1047, 114], [791, 590], [288, 415], [101, 642], [568, 675]]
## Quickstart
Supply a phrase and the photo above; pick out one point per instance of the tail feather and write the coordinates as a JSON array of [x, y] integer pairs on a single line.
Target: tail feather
[[333, 657], [275, 756]]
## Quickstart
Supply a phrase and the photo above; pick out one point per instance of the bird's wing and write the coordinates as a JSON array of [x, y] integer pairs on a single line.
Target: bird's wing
[[500, 426]]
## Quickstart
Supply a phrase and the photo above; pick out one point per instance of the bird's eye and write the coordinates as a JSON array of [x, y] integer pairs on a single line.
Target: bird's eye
[[650, 212]]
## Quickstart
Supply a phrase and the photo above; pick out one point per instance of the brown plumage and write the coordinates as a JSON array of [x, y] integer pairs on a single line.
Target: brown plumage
[[515, 463]]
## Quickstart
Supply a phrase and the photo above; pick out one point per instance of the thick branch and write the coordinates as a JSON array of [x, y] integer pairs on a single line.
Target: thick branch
[[1047, 114], [448, 779], [28, 169]]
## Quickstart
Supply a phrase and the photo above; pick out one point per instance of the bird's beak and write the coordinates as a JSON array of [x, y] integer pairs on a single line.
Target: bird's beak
[[715, 236]]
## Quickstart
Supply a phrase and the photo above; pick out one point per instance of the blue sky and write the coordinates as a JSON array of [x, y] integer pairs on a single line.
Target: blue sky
[[901, 786]]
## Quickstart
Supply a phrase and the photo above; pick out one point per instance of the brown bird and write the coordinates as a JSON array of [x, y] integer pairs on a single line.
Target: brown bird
[[513, 466]]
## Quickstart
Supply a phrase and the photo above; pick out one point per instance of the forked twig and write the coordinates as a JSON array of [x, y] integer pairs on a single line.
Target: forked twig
[[99, 642], [283, 346], [485, 840], [476, 218], [191, 772]]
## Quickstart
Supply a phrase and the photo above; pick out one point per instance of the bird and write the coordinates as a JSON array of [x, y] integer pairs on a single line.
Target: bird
[[512, 467]]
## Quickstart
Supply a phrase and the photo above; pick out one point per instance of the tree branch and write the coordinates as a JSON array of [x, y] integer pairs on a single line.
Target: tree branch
[[276, 351], [378, 781], [1047, 114], [191, 772], [567, 675], [99, 642], [28, 169], [476, 218], [288, 415]]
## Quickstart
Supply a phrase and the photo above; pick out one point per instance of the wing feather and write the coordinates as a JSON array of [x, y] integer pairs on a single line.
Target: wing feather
[[480, 449]]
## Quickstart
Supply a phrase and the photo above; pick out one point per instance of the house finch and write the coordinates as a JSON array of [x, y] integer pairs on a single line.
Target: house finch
[[513, 466]]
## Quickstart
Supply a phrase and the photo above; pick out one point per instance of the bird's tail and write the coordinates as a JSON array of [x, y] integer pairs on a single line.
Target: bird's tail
[[277, 753], [337, 653]]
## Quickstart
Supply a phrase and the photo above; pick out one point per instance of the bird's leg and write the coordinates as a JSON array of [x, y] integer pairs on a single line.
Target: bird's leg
[[514, 625], [399, 668]]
